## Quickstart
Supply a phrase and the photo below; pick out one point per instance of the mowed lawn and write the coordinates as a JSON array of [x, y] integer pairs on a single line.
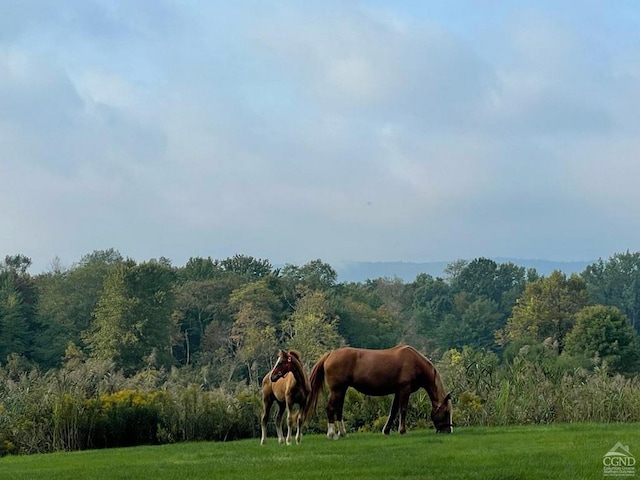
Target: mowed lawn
[[570, 451]]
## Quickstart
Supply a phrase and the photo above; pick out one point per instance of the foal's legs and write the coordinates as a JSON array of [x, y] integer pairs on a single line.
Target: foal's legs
[[291, 419], [289, 423], [267, 401], [279, 422], [298, 433]]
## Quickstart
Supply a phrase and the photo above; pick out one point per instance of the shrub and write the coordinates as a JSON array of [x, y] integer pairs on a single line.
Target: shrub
[[126, 418]]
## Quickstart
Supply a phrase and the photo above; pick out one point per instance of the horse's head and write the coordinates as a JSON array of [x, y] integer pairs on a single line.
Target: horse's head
[[282, 367], [441, 415]]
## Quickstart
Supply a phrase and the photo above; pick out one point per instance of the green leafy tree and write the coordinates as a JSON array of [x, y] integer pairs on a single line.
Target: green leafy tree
[[604, 332], [396, 300], [478, 278], [219, 352], [453, 269], [14, 327], [67, 299], [133, 316], [153, 287], [432, 300], [18, 303], [254, 337], [483, 277], [113, 334], [616, 282], [312, 329], [247, 266], [473, 323], [198, 303], [198, 269], [260, 295], [18, 264], [316, 275], [546, 310], [484, 293], [364, 319], [258, 313]]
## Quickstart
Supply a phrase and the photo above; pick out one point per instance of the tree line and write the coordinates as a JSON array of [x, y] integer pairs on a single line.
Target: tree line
[[112, 352], [227, 318]]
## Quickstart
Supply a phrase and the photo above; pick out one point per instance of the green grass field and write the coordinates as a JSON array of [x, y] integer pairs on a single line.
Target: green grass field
[[572, 451]]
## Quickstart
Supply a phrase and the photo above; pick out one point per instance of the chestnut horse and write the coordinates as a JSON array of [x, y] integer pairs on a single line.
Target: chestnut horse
[[288, 385], [400, 370]]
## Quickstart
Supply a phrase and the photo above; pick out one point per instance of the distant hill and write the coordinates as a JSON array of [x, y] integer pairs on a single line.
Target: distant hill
[[407, 271]]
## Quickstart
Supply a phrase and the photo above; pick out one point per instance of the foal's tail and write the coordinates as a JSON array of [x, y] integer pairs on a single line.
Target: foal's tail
[[316, 381]]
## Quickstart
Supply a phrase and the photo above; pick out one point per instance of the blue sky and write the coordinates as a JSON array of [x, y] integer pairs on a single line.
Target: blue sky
[[345, 131]]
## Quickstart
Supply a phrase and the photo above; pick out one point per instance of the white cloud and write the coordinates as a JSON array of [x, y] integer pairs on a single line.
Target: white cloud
[[294, 132]]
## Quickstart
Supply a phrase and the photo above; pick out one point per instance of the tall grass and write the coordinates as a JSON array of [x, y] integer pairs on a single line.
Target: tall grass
[[88, 405], [529, 391]]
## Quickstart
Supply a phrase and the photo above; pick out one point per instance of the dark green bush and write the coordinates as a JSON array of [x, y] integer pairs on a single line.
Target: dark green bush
[[126, 418]]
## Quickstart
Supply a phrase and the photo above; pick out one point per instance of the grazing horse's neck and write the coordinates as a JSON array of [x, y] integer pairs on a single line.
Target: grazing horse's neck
[[433, 383], [434, 387]]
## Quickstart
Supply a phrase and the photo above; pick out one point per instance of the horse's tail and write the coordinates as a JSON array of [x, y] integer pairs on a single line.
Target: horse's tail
[[316, 382]]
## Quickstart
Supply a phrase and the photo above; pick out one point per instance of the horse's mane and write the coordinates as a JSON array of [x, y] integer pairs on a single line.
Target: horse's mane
[[413, 349], [417, 352], [296, 354], [439, 387]]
